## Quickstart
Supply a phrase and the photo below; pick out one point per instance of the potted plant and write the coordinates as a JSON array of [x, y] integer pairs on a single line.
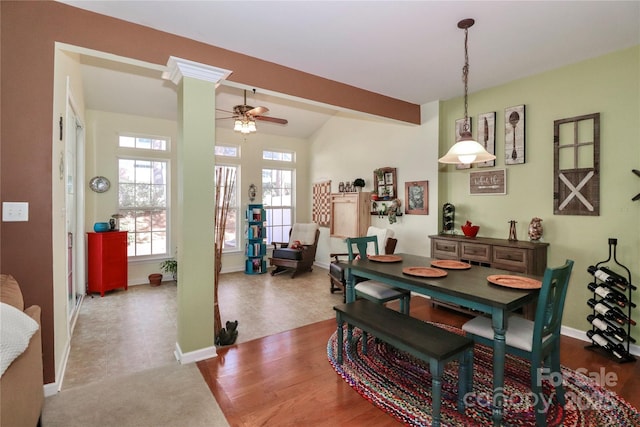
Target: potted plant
[[155, 279], [170, 266], [358, 183]]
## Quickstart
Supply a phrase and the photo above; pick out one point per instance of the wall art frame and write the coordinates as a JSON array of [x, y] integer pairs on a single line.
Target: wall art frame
[[576, 165], [458, 130], [490, 182], [385, 183], [487, 136], [416, 197], [514, 135], [321, 209]]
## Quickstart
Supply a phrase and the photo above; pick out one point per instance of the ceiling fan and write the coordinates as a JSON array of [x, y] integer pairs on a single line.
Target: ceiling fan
[[245, 116]]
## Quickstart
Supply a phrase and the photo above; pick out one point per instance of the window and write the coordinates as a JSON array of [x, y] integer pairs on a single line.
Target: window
[[143, 143], [283, 156], [227, 151], [231, 225], [277, 196], [143, 202]]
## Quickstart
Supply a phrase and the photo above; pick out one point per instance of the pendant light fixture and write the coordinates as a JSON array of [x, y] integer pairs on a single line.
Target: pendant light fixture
[[467, 150]]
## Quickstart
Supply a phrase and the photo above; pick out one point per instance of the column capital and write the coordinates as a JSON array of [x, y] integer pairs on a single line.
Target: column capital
[[177, 68]]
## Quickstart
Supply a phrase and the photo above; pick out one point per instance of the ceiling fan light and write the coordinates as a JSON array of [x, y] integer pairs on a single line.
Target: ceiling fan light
[[252, 126], [237, 126]]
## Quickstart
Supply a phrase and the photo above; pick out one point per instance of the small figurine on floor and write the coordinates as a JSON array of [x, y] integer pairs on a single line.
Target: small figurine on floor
[[229, 335]]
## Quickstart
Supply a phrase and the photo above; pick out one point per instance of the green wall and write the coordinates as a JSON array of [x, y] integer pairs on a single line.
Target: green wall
[[609, 85]]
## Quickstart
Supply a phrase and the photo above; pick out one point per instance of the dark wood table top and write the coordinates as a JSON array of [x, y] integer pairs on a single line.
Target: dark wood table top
[[468, 288]]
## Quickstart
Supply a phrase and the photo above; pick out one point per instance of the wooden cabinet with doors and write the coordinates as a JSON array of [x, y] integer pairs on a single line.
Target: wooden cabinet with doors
[[350, 216], [107, 261]]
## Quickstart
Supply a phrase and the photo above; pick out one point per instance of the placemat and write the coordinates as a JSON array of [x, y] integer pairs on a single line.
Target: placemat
[[450, 264], [424, 272], [517, 282]]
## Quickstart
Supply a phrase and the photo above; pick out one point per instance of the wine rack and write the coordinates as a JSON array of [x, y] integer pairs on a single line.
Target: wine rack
[[612, 302]]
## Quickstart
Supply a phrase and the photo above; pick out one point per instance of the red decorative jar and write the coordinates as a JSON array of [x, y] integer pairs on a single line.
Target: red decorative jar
[[469, 229]]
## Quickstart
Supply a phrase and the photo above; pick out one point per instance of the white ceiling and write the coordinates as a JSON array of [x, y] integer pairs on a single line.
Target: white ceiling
[[410, 50]]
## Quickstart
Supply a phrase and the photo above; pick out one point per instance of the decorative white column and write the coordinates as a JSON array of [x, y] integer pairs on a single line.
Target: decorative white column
[[196, 175]]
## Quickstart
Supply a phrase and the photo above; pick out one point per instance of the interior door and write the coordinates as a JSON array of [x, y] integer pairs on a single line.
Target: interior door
[[74, 196]]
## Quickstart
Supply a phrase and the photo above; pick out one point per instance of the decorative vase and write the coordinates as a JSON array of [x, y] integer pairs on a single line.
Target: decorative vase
[[535, 229], [469, 229], [100, 227], [155, 279]]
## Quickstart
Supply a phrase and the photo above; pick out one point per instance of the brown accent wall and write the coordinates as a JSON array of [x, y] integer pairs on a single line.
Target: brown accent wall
[[29, 30]]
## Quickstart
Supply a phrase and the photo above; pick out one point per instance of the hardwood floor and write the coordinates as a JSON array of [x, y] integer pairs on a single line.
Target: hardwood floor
[[286, 379]]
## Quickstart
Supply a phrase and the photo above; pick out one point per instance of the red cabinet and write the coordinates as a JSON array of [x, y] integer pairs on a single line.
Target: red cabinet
[[107, 261]]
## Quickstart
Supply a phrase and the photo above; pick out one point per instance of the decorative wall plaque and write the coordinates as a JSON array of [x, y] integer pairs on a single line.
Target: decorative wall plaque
[[321, 213], [576, 165], [487, 136], [488, 182], [514, 149]]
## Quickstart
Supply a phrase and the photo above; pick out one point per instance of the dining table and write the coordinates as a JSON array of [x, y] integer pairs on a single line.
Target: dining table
[[467, 287]]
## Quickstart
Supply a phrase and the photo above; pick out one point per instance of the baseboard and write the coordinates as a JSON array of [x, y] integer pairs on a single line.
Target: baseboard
[[324, 265], [194, 356], [54, 387]]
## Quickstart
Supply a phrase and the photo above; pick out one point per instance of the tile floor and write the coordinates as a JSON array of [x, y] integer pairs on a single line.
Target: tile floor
[[130, 331]]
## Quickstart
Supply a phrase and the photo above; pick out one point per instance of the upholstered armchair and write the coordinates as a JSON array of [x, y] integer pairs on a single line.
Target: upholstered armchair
[[299, 253]]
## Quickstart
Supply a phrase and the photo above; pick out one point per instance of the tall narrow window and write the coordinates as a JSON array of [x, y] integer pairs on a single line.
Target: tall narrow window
[[225, 155], [277, 197], [231, 226], [143, 202]]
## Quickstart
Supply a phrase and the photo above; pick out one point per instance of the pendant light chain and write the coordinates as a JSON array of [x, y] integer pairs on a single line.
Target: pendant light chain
[[466, 150], [465, 79]]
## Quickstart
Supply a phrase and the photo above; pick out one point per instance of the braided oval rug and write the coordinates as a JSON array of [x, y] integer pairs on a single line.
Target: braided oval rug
[[400, 385]]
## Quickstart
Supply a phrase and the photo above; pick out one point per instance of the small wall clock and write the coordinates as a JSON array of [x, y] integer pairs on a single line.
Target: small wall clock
[[99, 184]]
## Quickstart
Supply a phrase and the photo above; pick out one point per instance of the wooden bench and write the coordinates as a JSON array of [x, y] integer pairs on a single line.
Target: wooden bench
[[420, 339]]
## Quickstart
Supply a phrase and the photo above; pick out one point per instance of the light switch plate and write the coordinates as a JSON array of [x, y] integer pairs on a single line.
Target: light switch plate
[[15, 211]]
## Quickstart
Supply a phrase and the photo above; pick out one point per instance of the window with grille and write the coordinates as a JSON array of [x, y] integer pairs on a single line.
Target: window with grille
[[231, 226], [277, 197], [143, 202]]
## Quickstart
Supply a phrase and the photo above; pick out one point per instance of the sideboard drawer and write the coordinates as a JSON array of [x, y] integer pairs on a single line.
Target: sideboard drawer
[[443, 249], [512, 259], [475, 252]]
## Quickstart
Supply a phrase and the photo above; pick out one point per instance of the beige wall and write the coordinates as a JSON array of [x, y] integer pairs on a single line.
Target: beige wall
[[103, 129], [608, 85], [350, 147]]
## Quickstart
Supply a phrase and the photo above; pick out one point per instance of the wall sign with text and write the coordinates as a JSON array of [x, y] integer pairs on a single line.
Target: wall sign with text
[[488, 182]]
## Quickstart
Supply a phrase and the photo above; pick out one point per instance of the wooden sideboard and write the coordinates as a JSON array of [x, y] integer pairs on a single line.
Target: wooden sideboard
[[517, 256]]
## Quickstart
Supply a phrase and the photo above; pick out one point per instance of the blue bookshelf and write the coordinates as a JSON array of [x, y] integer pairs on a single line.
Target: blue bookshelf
[[255, 247]]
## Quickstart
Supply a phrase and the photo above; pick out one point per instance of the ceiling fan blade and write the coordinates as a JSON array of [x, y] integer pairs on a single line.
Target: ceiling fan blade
[[258, 111], [225, 111], [271, 119], [224, 118]]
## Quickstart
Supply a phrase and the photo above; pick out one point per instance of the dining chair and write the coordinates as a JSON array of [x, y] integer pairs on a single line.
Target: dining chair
[[371, 289], [537, 341], [337, 279]]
